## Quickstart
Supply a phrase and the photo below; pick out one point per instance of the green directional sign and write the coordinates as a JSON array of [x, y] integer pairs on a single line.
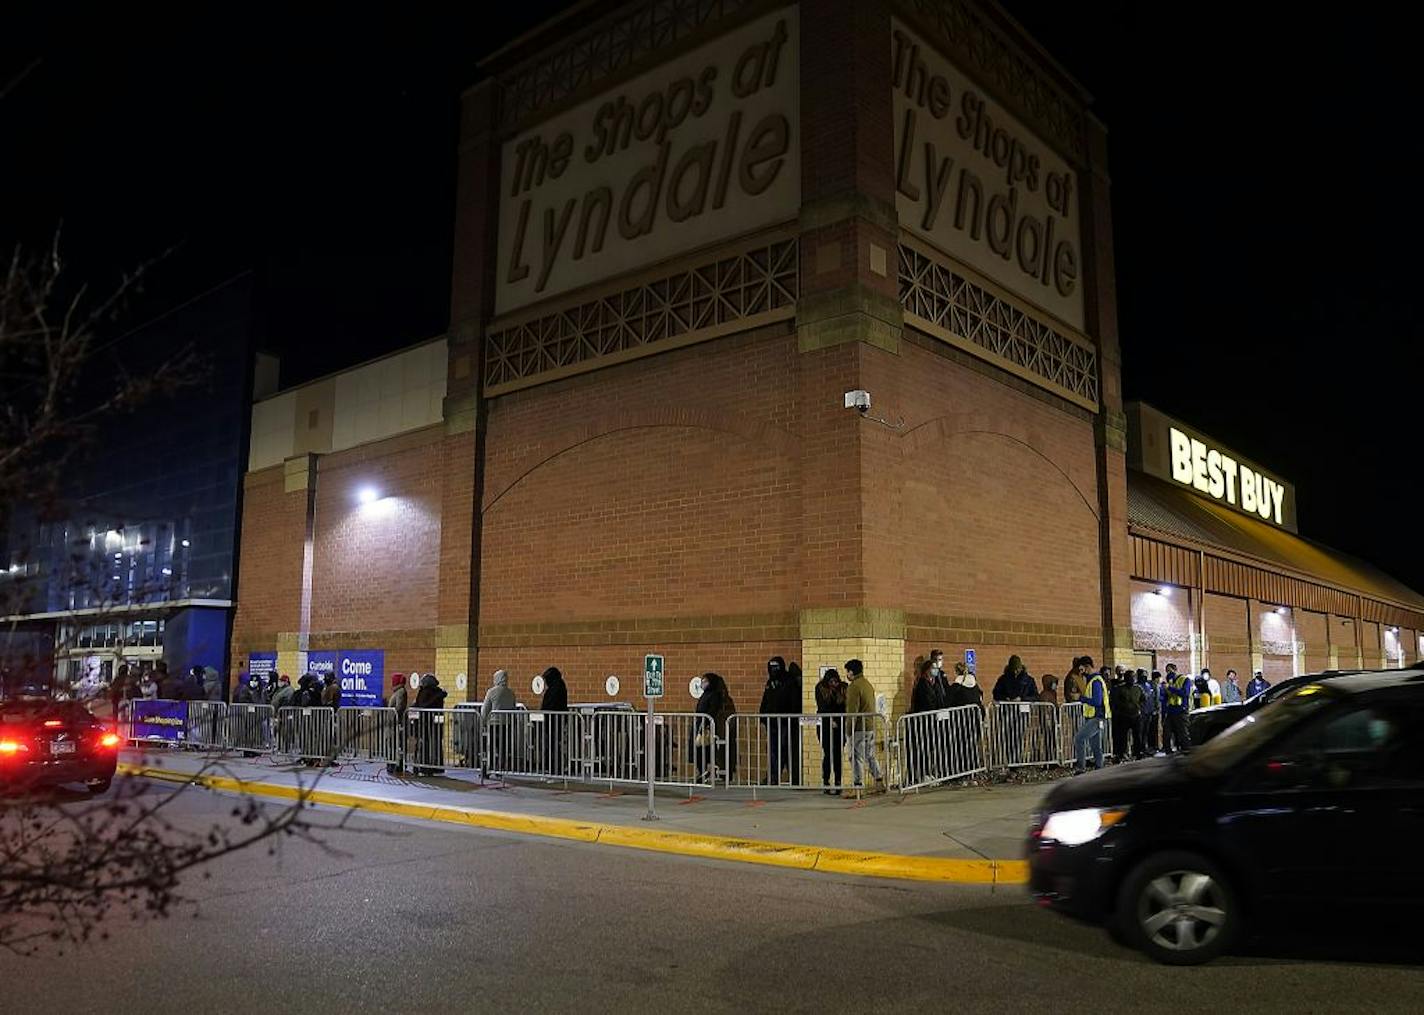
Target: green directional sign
[[652, 676]]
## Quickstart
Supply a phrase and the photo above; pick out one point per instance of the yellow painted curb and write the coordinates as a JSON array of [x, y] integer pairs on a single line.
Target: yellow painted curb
[[714, 847]]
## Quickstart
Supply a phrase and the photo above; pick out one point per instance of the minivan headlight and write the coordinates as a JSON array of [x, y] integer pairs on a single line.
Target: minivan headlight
[[1073, 828]]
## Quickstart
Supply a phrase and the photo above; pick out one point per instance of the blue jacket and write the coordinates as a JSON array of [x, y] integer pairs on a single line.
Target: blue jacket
[[1095, 697], [1256, 686], [1180, 686]]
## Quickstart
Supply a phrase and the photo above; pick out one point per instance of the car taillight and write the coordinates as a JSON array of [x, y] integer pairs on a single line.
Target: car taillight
[[12, 747], [109, 740], [52, 723]]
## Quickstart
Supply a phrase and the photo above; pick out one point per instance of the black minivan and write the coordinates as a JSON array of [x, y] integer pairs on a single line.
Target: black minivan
[[1308, 813]]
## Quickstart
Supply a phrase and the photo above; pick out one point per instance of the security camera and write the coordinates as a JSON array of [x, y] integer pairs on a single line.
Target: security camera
[[858, 399]]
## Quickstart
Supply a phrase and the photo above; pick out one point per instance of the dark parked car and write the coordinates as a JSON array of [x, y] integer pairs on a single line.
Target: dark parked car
[[1206, 723], [1307, 814], [50, 743]]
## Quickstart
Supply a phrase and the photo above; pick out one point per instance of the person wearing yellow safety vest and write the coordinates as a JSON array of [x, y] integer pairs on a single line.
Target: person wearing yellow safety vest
[[1178, 705], [1096, 713]]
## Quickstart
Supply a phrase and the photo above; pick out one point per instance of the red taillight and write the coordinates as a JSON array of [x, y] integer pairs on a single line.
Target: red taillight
[[12, 747], [109, 740], [52, 723]]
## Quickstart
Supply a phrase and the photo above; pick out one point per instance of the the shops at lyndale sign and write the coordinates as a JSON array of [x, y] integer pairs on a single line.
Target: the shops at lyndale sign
[[699, 151], [972, 181]]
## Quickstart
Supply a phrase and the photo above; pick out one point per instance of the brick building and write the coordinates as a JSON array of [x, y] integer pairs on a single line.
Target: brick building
[[685, 231]]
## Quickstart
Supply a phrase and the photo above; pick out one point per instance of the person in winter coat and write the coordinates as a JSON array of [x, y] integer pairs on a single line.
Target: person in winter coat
[[331, 692], [1147, 721], [1257, 685], [1230, 689], [429, 750], [285, 695], [553, 733], [1015, 684], [399, 701], [964, 689], [167, 686], [925, 695], [243, 694], [212, 684], [716, 702], [780, 704], [1125, 700], [147, 686], [1073, 681], [860, 704], [831, 701], [499, 700]]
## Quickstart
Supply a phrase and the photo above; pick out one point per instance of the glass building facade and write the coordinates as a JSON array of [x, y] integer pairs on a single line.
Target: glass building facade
[[136, 561]]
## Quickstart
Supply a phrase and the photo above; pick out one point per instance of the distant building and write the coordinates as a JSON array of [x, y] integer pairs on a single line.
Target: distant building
[[136, 561]]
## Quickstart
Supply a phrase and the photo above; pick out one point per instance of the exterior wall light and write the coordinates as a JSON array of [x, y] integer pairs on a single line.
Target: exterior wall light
[[1164, 591], [1280, 609], [367, 495]]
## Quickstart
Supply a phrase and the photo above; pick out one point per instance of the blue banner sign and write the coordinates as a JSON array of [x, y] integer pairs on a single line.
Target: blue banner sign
[[160, 720], [361, 673]]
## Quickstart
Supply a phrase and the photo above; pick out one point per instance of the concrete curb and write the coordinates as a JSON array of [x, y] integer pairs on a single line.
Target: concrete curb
[[716, 847]]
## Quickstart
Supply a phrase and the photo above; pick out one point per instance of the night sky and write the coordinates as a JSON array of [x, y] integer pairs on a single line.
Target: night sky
[[1264, 172]]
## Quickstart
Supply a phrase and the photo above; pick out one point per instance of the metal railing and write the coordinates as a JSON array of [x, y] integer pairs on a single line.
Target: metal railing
[[441, 739], [1022, 733], [683, 748], [306, 733], [250, 728], [546, 745], [940, 746], [368, 734], [206, 725], [785, 751]]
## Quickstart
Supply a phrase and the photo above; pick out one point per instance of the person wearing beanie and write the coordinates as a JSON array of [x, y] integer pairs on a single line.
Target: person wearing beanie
[[399, 701], [860, 708]]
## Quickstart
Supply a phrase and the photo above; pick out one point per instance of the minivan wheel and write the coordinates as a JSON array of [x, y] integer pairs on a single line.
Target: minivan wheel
[[97, 786], [1178, 908]]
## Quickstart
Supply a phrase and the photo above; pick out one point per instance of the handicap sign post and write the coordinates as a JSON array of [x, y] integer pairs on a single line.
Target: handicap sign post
[[653, 673]]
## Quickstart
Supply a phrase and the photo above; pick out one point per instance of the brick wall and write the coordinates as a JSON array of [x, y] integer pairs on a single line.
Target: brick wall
[[1310, 628], [1228, 634], [269, 564], [376, 566]]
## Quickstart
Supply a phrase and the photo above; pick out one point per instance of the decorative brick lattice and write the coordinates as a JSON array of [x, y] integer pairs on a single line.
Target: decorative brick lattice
[[752, 286], [1161, 641], [947, 301], [982, 50], [604, 50], [1281, 648]]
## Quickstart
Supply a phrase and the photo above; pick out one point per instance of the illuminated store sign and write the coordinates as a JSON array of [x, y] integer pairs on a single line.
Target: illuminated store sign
[[1162, 446]]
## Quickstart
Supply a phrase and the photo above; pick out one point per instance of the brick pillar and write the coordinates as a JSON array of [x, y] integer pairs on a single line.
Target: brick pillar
[[848, 317], [471, 306], [1110, 427], [299, 483]]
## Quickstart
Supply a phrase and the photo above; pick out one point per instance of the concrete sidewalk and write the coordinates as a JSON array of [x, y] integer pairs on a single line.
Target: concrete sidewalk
[[970, 833]]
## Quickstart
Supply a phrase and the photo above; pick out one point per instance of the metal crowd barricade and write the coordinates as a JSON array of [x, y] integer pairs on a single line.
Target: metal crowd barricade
[[1070, 720], [206, 727], [439, 739], [368, 734], [683, 748], [545, 745], [937, 747], [123, 721], [306, 733], [793, 751], [1022, 734], [249, 728]]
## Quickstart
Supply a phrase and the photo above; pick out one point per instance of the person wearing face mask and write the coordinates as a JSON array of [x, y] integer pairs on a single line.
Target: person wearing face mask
[[831, 705]]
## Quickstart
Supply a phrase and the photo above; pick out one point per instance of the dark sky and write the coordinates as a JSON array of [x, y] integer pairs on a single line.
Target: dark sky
[[1264, 172]]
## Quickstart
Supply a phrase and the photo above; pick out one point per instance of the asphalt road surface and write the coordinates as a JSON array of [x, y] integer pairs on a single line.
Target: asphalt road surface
[[418, 917]]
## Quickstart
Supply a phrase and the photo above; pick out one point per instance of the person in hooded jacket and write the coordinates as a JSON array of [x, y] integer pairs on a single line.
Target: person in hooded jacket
[[499, 700], [715, 702], [429, 751], [553, 734], [1015, 684], [212, 684], [399, 701], [780, 703], [1073, 681], [831, 701], [331, 691]]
